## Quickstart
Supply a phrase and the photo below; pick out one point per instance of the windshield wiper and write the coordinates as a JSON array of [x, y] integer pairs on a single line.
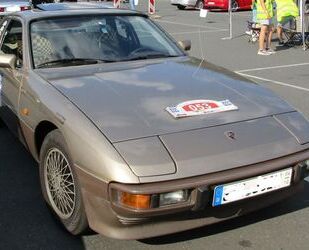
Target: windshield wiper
[[74, 61], [149, 56]]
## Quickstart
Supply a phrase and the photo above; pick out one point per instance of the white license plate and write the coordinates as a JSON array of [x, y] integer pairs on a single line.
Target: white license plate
[[12, 8], [251, 187]]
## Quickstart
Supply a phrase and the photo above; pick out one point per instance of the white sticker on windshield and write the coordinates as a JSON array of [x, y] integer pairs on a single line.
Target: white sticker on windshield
[[200, 107]]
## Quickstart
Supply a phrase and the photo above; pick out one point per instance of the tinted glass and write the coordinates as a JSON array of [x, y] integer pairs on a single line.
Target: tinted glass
[[96, 39], [12, 1]]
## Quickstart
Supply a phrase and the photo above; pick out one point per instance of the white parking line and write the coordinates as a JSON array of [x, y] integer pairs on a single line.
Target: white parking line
[[188, 25], [273, 67], [197, 32], [274, 82], [166, 10], [242, 14]]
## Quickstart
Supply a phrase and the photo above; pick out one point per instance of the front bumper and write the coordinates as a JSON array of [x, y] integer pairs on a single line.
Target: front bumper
[[223, 5], [184, 2], [107, 218]]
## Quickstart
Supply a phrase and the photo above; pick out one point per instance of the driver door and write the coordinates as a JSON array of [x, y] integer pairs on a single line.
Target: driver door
[[11, 79]]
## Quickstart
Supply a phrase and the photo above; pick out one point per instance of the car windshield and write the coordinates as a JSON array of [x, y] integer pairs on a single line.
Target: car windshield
[[78, 40], [13, 1]]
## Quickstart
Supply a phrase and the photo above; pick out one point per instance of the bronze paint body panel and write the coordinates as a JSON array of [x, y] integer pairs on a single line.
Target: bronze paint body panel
[[103, 110], [105, 217]]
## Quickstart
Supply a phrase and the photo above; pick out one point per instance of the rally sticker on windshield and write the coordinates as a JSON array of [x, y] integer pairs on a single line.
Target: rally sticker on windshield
[[200, 107]]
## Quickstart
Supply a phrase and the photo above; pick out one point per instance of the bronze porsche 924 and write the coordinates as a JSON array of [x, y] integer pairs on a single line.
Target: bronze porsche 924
[[133, 137]]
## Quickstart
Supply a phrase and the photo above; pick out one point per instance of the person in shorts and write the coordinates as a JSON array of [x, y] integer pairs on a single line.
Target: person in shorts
[[254, 23], [254, 14], [265, 14], [287, 11]]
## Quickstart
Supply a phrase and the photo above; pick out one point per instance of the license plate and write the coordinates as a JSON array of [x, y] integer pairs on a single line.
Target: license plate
[[243, 189], [12, 8]]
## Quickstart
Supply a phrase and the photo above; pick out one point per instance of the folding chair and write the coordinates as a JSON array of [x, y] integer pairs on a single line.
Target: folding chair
[[253, 31], [293, 32]]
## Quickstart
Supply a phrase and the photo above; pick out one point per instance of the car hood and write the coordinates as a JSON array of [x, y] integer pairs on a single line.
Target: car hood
[[209, 150], [127, 100]]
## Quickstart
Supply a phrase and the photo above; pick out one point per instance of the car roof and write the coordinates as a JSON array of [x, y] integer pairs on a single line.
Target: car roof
[[71, 9], [73, 6]]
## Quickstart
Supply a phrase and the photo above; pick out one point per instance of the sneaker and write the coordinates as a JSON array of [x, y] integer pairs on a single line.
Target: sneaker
[[263, 52], [249, 32], [270, 51], [281, 43]]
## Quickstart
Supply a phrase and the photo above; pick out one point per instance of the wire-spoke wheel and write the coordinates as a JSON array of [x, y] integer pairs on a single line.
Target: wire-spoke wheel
[[235, 5], [59, 183]]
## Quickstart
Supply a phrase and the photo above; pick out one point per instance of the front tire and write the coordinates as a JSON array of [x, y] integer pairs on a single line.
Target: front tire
[[200, 4], [60, 185]]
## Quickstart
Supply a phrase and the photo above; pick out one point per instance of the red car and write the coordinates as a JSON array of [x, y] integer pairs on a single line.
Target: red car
[[223, 4]]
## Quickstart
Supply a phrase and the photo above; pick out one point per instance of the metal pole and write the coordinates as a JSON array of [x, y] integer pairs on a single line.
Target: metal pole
[[302, 21], [230, 22], [230, 14]]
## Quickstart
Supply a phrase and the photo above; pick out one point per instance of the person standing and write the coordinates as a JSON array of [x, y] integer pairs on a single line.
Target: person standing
[[132, 4], [287, 11], [253, 7], [265, 14]]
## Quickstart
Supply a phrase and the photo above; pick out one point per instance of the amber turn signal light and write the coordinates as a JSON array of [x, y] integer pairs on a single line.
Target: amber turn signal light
[[137, 201], [25, 111]]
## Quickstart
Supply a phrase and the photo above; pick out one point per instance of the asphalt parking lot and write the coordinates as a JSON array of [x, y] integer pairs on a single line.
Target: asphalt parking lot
[[25, 222]]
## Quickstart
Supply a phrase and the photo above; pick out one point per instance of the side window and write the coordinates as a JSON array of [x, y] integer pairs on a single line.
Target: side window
[[12, 41]]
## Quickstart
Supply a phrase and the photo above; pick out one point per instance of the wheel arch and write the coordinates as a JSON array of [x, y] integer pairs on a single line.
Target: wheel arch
[[42, 129]]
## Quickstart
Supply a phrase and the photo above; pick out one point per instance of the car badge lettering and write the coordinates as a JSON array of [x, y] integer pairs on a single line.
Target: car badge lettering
[[230, 135], [200, 107]]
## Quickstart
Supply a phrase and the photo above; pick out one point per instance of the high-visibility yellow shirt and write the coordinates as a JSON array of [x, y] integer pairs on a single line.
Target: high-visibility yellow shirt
[[260, 13], [286, 8]]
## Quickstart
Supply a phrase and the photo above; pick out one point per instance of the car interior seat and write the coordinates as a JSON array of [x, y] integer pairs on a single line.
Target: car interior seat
[[13, 45], [109, 40], [42, 49]]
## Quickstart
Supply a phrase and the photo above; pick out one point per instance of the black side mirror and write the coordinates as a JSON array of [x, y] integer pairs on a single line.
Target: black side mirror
[[185, 45]]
